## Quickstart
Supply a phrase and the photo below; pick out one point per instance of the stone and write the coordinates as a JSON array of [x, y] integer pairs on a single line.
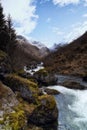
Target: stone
[[27, 89], [51, 91], [73, 85], [11, 115], [46, 112], [44, 78]]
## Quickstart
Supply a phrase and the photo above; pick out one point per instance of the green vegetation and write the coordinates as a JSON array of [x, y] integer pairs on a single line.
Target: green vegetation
[[48, 101], [27, 89], [16, 81], [42, 72], [22, 91], [15, 120]]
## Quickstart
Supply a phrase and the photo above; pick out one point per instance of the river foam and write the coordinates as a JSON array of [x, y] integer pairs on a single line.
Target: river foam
[[75, 109]]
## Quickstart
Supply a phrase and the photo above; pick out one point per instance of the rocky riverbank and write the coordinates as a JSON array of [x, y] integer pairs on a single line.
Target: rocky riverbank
[[23, 105]]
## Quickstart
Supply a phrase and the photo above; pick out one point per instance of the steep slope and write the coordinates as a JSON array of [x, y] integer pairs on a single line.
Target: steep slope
[[33, 47], [26, 53], [70, 59]]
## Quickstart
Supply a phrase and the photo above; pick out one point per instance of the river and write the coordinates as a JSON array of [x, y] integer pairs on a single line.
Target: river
[[72, 105]]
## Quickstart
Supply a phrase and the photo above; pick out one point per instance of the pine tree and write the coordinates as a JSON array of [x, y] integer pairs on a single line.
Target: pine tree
[[7, 37], [2, 18], [12, 41], [12, 36], [4, 37], [11, 30]]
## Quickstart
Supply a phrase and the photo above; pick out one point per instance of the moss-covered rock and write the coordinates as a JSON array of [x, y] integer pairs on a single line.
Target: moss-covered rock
[[35, 109], [44, 78], [16, 120], [42, 72], [28, 89], [12, 116], [51, 91], [46, 112], [7, 98]]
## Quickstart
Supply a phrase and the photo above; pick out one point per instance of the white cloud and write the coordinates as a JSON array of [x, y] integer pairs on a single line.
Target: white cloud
[[76, 31], [22, 13], [65, 2], [85, 4], [57, 31], [85, 15]]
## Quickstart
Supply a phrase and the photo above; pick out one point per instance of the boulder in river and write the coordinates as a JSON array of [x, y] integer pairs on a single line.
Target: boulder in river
[[73, 85], [51, 91], [44, 78]]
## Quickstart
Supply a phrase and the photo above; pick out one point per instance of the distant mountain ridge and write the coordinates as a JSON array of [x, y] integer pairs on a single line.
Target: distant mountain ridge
[[70, 59], [25, 53], [57, 46], [34, 43]]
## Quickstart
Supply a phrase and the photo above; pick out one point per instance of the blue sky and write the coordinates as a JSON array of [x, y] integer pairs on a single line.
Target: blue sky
[[48, 21]]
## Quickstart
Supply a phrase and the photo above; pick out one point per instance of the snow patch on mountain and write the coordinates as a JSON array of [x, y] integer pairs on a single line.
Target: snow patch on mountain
[[34, 43]]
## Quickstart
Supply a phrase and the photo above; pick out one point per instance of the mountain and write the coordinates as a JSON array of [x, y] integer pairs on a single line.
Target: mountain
[[35, 48], [70, 59], [26, 53], [56, 46]]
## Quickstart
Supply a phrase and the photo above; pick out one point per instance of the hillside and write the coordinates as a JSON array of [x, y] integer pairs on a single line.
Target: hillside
[[70, 59], [26, 53], [33, 48]]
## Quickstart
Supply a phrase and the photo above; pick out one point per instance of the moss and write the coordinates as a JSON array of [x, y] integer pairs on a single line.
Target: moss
[[20, 72], [1, 121], [14, 78], [15, 120], [28, 89], [48, 101], [16, 81], [42, 72]]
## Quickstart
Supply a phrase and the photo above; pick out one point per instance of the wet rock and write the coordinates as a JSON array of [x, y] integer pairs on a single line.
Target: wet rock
[[51, 91], [73, 85]]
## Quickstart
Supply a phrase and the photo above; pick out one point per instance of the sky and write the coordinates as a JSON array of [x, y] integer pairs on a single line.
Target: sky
[[48, 21]]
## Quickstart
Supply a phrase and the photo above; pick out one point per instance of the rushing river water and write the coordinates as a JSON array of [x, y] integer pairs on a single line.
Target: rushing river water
[[72, 105]]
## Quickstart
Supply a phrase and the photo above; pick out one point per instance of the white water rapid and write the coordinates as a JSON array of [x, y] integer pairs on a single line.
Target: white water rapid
[[72, 105]]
